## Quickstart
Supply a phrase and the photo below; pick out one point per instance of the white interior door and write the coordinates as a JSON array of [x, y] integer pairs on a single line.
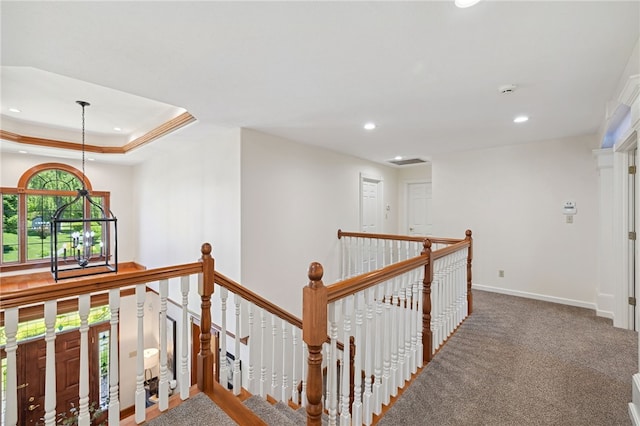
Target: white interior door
[[370, 205], [419, 209]]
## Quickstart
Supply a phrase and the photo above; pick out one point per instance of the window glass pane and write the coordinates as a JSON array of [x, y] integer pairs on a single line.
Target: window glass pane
[[55, 180], [40, 209], [10, 241]]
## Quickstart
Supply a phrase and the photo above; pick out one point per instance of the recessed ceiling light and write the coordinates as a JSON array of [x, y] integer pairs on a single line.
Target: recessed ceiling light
[[398, 157], [22, 151], [117, 129], [370, 126], [521, 119], [14, 110], [465, 3]]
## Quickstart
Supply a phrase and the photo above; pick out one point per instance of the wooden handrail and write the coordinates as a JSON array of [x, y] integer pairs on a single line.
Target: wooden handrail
[[93, 284], [434, 240], [257, 300], [358, 283], [437, 254]]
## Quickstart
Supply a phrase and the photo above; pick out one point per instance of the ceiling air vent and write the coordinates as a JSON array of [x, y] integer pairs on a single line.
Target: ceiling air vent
[[407, 161]]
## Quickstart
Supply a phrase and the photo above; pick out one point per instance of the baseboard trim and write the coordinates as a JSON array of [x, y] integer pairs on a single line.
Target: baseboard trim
[[604, 314], [634, 410], [536, 296]]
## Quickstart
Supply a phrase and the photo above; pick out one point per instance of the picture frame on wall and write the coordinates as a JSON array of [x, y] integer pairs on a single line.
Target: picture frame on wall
[[171, 347], [229, 359]]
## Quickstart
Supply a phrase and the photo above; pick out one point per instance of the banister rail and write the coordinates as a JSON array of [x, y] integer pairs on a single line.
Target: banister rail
[[400, 298], [256, 299], [74, 287], [415, 238]]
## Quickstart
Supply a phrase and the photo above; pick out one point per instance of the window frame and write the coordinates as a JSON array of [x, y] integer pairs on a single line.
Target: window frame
[[23, 192]]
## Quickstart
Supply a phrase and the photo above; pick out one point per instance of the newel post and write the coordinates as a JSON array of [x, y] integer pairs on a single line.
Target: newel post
[[427, 337], [205, 289], [469, 259], [314, 334]]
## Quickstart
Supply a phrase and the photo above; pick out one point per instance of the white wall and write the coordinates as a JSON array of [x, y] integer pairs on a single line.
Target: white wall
[[103, 177], [294, 199], [188, 195], [511, 198]]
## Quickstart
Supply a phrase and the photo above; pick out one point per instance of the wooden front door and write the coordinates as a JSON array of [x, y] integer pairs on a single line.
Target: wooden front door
[[31, 360]]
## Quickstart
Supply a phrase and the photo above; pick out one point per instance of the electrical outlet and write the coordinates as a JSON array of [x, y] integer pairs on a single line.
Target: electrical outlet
[[500, 273]]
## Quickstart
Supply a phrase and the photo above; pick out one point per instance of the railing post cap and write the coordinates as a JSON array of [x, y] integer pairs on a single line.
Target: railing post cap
[[468, 233], [206, 249], [315, 272]]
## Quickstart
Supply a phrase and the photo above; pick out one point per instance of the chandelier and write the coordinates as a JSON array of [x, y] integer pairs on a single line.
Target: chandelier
[[81, 233]]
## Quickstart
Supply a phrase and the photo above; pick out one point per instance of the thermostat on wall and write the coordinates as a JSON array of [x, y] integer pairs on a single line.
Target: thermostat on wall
[[569, 208]]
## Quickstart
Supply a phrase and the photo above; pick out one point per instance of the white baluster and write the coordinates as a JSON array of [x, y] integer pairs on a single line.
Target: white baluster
[[163, 384], [420, 302], [305, 356], [50, 311], [114, 368], [415, 320], [250, 346], [237, 380], [274, 372], [402, 297], [184, 378], [285, 364], [140, 397], [11, 392], [347, 311], [263, 367], [294, 362], [379, 339], [368, 403], [407, 329], [356, 410], [395, 312], [84, 303], [386, 344], [332, 370], [224, 369]]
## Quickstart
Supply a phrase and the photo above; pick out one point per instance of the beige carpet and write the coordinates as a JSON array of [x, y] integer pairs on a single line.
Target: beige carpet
[[518, 361]]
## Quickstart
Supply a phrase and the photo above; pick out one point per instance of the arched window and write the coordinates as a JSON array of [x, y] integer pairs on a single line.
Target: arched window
[[28, 208]]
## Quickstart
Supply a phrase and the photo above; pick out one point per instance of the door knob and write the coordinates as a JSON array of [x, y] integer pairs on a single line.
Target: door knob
[[33, 407]]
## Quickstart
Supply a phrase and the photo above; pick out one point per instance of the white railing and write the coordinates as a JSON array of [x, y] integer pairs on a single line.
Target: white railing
[[82, 291], [399, 301]]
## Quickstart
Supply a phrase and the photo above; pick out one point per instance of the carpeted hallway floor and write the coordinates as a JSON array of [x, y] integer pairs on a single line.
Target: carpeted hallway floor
[[519, 361]]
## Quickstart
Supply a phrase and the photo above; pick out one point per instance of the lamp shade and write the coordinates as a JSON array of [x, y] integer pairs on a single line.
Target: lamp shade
[[150, 358]]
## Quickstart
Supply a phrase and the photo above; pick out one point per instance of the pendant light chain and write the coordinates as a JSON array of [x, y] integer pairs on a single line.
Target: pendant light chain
[[83, 104]]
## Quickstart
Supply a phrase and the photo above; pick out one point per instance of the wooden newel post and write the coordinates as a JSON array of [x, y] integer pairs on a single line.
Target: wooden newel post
[[427, 336], [205, 289], [314, 334], [469, 259]]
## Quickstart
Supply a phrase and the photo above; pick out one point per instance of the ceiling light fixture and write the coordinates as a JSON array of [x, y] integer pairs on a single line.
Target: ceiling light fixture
[[117, 129], [465, 3], [521, 119], [81, 233], [370, 126], [398, 157], [14, 110]]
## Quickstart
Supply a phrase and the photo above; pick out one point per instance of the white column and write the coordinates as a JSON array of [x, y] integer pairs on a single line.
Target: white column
[[140, 398], [11, 330], [84, 303], [50, 310], [114, 368], [163, 385], [183, 376]]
